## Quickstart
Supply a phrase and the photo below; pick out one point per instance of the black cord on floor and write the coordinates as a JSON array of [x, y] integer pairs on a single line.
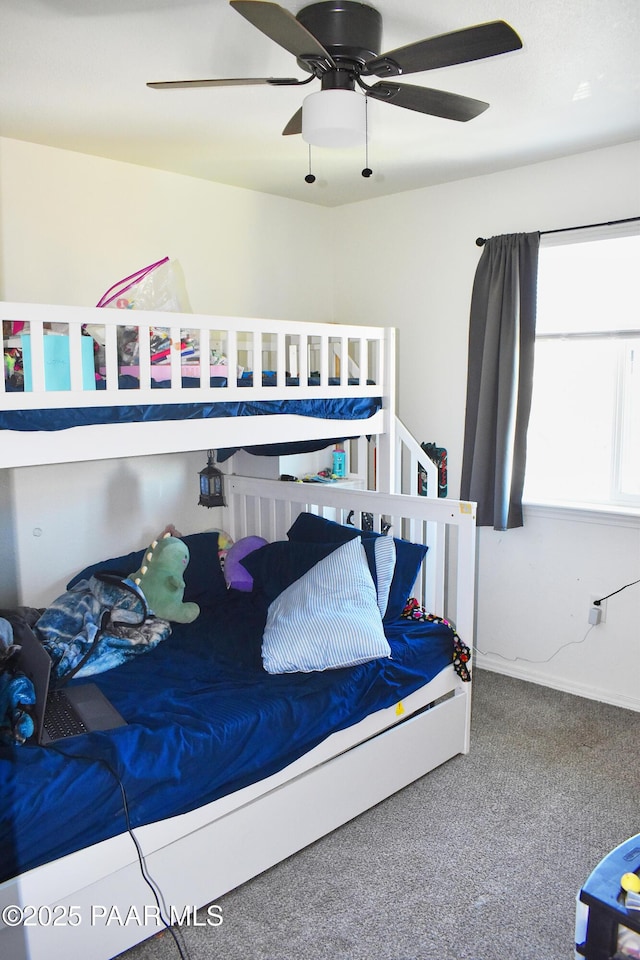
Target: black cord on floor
[[144, 870]]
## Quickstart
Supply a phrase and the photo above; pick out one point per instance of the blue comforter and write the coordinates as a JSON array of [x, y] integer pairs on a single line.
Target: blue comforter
[[204, 719]]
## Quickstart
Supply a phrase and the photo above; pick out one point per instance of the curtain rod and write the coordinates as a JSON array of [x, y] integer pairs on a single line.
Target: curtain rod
[[480, 242]]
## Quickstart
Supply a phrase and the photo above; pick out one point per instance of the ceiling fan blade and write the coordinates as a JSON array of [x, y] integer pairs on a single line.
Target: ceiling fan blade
[[294, 125], [461, 46], [281, 26], [437, 103], [228, 82]]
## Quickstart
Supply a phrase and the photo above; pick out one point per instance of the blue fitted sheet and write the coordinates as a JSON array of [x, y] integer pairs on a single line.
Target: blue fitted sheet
[[204, 719], [330, 408]]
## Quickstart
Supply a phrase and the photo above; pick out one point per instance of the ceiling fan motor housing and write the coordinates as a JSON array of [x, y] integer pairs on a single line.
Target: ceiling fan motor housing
[[338, 43], [351, 32]]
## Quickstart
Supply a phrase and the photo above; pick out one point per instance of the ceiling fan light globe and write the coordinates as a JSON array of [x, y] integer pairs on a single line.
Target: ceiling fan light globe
[[334, 118]]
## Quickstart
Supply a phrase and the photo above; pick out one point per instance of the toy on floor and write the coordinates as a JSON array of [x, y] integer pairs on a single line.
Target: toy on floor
[[630, 882], [161, 579]]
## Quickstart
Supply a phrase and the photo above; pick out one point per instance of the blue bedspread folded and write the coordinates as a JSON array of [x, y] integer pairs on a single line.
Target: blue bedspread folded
[[204, 719]]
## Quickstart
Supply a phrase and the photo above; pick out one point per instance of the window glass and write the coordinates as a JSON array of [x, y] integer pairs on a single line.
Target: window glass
[[589, 286], [583, 444], [629, 475]]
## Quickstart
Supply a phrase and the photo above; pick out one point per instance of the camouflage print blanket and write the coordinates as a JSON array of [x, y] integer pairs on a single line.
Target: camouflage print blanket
[[97, 625]]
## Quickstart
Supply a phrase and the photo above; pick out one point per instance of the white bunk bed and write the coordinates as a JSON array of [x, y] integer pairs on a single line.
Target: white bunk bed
[[291, 352], [196, 856]]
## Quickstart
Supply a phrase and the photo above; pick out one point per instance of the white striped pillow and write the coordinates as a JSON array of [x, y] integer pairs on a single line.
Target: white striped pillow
[[384, 549], [329, 618]]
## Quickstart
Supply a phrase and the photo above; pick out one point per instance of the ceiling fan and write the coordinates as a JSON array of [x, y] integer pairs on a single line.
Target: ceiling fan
[[338, 42]]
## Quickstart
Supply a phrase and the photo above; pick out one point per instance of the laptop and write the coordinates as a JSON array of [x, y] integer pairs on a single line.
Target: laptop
[[66, 712]]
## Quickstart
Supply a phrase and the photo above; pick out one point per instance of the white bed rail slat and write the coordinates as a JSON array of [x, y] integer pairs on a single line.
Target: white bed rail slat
[[37, 357], [344, 361], [111, 357], [175, 335], [232, 355], [303, 357], [363, 361], [257, 364], [324, 369], [75, 358], [144, 355], [281, 361]]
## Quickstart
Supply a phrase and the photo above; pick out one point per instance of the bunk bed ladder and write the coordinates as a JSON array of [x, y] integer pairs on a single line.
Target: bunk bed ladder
[[397, 460]]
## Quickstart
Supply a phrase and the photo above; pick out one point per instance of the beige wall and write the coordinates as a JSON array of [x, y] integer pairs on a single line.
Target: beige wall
[[71, 225]]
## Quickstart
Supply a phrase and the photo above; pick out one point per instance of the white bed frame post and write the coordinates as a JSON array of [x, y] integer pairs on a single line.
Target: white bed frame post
[[385, 479]]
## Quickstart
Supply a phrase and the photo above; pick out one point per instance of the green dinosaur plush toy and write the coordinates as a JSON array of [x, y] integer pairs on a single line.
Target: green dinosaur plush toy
[[161, 580]]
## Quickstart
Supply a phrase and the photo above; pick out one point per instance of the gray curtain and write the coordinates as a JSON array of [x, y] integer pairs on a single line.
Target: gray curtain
[[500, 376]]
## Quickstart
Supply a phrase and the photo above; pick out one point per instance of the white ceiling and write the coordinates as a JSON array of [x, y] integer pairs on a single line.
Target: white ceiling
[[73, 75]]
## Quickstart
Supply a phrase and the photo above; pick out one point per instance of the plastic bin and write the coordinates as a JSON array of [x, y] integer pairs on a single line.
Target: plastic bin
[[605, 927]]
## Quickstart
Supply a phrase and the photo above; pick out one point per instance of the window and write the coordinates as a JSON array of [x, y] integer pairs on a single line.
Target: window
[[583, 444]]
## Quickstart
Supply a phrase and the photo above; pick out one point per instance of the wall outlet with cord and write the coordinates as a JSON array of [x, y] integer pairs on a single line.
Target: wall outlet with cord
[[597, 610], [595, 616]]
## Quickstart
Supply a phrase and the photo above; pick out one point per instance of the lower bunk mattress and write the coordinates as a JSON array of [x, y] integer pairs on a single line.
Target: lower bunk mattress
[[204, 719]]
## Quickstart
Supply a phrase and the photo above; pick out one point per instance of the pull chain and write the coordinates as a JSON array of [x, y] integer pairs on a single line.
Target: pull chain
[[367, 169], [310, 177]]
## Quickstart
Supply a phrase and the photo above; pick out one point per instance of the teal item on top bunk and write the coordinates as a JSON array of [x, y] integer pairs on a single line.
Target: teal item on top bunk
[[57, 369]]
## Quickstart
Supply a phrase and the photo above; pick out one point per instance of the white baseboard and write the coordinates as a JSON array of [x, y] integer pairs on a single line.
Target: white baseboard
[[567, 686]]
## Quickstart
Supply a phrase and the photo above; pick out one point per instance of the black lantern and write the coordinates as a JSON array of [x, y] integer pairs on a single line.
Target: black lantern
[[211, 485]]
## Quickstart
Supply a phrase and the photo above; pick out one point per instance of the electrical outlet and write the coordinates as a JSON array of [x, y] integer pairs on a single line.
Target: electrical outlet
[[602, 607], [594, 616]]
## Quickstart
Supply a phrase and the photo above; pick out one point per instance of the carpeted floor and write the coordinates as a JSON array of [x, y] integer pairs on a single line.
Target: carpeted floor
[[479, 860]]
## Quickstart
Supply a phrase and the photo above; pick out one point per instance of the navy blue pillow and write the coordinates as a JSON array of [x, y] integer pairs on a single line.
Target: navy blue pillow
[[310, 528], [203, 577], [277, 565], [122, 566]]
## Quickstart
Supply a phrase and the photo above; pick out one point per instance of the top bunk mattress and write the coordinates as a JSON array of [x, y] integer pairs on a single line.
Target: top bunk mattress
[[323, 408]]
